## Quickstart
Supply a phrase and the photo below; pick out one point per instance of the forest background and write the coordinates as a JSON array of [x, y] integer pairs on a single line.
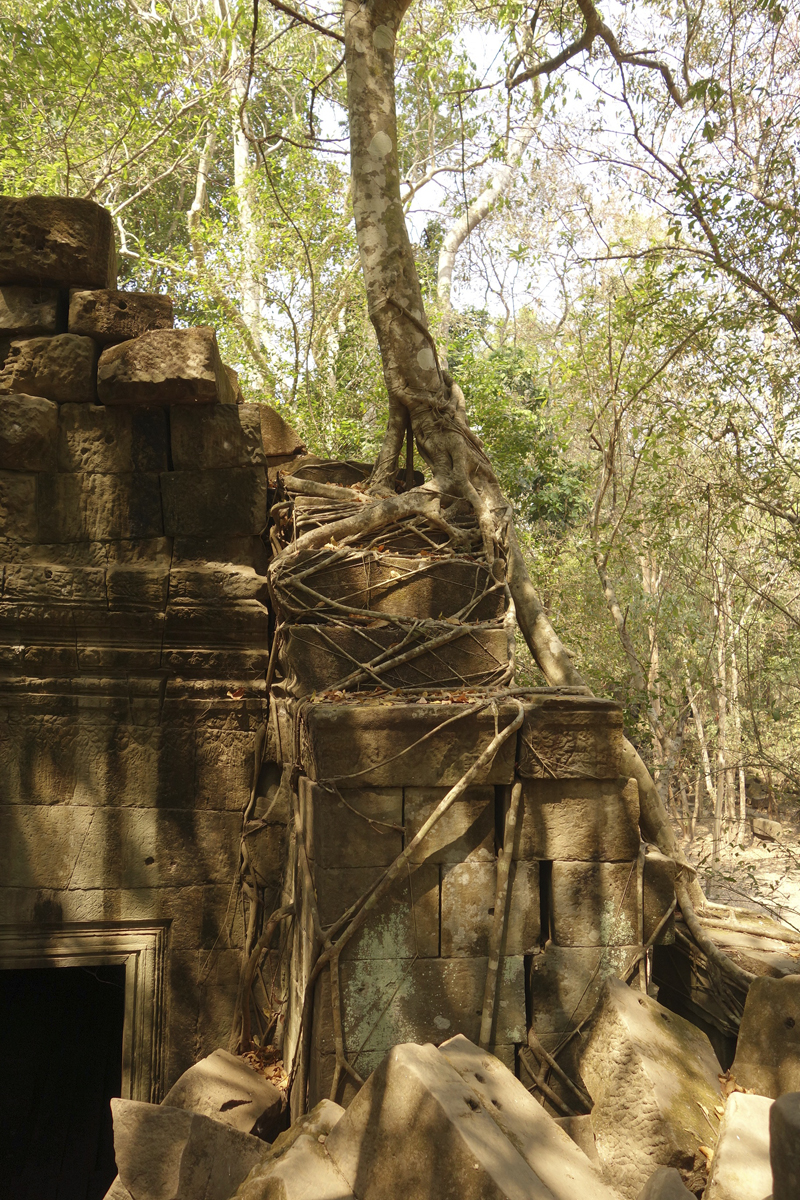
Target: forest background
[[606, 231]]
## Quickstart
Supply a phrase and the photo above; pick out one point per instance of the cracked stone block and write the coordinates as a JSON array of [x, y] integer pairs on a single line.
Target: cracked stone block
[[784, 1146], [208, 437], [56, 241], [226, 1089], [579, 820], [111, 316], [28, 312], [28, 433], [306, 1170], [572, 737], [164, 366], [654, 1082], [95, 439], [740, 1168], [60, 368], [230, 501], [768, 1049]]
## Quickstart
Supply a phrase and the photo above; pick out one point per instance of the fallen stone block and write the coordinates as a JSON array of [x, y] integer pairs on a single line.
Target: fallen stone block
[[784, 1146], [166, 1153], [28, 433], [93, 508], [56, 241], [362, 827], [277, 436], [665, 1184], [740, 1168], [213, 436], [653, 1078], [304, 1172], [594, 904], [558, 1163], [579, 1129], [768, 1049], [225, 1088], [165, 366], [579, 820], [565, 983], [467, 908], [767, 831], [571, 737], [109, 316], [416, 1130], [228, 502], [60, 368], [95, 439], [28, 312]]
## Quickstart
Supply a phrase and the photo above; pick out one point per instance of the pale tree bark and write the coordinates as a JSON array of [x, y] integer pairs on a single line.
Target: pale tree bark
[[252, 293], [721, 705], [737, 727]]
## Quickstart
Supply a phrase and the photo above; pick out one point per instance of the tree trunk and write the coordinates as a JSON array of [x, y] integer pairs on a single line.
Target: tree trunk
[[252, 299]]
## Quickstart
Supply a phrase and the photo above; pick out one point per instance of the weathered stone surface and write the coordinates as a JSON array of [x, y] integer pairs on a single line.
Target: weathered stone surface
[[236, 389], [579, 1130], [60, 368], [767, 831], [28, 433], [378, 744], [303, 1172], [784, 1146], [548, 1150], [217, 582], [579, 820], [205, 438], [109, 316], [740, 1168], [768, 1050], [170, 1154], [315, 659], [416, 1130], [277, 436], [658, 894], [466, 832], [404, 924], [316, 1124], [28, 312], [572, 737], [165, 366], [18, 520], [78, 508], [594, 904], [56, 241], [650, 1075], [118, 1191], [467, 907], [665, 1184], [111, 441], [226, 1089], [232, 501], [336, 834]]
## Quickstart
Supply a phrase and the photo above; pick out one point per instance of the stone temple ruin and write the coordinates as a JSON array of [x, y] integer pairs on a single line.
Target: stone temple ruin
[[226, 726]]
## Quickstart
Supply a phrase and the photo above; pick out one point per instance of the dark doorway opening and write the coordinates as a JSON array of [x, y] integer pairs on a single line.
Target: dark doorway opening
[[60, 1065]]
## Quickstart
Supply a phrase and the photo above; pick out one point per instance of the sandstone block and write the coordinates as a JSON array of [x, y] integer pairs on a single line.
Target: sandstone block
[[416, 1130], [767, 831], [205, 438], [56, 241], [226, 1089], [768, 1050], [378, 744], [404, 924], [170, 1154], [594, 904], [215, 583], [740, 1168], [28, 433], [77, 508], [784, 1146], [232, 501], [464, 833], [18, 520], [650, 1075], [548, 1150], [304, 1171], [571, 737], [363, 827], [111, 441], [109, 316], [60, 368], [46, 582], [579, 1130], [28, 312], [565, 983], [165, 366], [665, 1184], [467, 908], [658, 894], [579, 820], [277, 436]]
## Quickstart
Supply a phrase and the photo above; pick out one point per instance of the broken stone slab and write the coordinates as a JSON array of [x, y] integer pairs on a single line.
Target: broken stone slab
[[56, 241], [96, 439], [118, 1191], [768, 1049], [225, 1088], [166, 1153], [228, 502], [767, 831], [572, 737], [111, 316], [60, 368], [164, 366], [277, 436], [28, 312], [740, 1168], [654, 1081], [91, 508], [556, 1160], [594, 904], [665, 1184], [304, 1172], [28, 433], [208, 437], [468, 893], [579, 1129], [417, 1130], [579, 820], [565, 983], [784, 1146], [361, 826]]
